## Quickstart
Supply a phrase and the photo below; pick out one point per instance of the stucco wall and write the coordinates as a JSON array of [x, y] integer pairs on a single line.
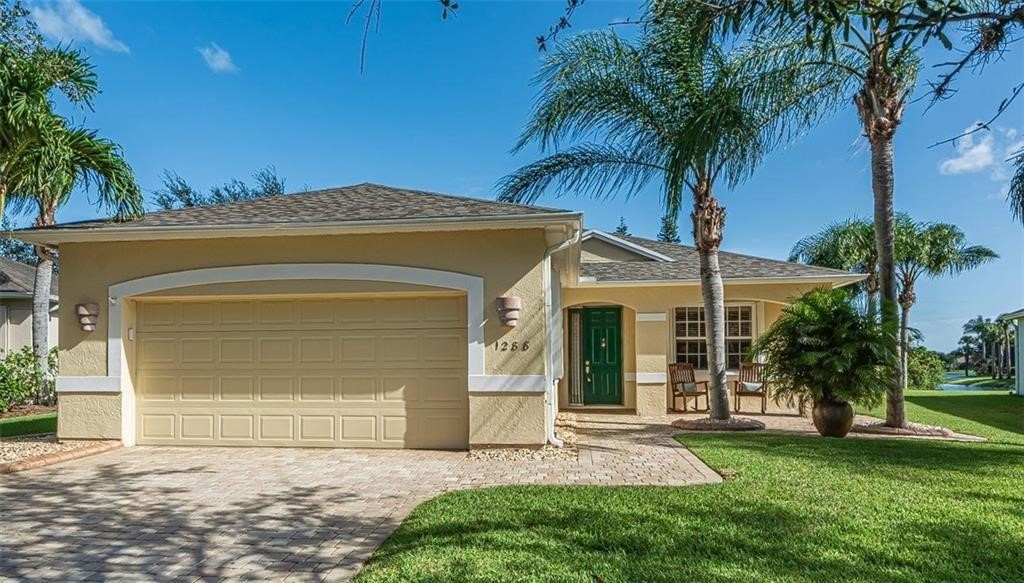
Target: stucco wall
[[509, 261], [89, 416], [506, 419], [598, 251]]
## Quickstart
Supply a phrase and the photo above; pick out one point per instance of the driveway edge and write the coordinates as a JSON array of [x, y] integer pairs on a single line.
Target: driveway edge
[[57, 457]]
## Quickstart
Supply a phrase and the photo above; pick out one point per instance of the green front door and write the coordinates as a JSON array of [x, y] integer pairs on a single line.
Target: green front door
[[602, 356]]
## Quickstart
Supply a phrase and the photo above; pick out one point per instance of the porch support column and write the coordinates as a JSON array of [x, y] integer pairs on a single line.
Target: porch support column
[[652, 342]]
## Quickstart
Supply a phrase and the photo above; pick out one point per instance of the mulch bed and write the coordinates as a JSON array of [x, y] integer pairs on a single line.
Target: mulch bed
[[708, 424], [22, 410]]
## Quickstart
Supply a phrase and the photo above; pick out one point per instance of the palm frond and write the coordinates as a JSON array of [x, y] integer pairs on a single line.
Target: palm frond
[[1015, 196], [597, 170]]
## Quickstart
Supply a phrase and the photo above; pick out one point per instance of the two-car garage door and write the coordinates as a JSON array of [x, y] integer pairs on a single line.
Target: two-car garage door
[[314, 371]]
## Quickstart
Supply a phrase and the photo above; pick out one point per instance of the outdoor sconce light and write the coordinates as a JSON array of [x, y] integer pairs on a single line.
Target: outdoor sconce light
[[87, 314], [508, 309]]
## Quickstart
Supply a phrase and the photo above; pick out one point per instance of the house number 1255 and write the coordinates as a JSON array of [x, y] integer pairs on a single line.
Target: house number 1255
[[512, 346]]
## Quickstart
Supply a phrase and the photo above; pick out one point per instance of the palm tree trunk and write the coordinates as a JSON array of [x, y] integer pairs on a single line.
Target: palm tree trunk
[[41, 320], [708, 222], [904, 347], [882, 185]]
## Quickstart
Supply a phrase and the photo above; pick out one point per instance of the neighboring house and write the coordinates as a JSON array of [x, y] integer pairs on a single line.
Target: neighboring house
[[1016, 319], [17, 280], [371, 316]]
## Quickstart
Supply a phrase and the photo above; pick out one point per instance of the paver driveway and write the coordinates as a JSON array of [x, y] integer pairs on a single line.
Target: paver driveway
[[150, 513]]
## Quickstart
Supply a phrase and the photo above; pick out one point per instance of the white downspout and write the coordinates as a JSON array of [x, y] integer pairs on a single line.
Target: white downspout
[[551, 390]]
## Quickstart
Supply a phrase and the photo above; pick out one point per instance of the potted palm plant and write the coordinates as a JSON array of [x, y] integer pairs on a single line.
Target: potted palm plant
[[826, 350]]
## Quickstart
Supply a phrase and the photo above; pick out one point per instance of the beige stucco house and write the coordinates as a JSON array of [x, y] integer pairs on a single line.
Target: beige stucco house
[[370, 316], [17, 280]]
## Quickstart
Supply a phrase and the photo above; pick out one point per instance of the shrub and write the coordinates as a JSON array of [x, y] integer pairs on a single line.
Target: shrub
[[925, 368], [823, 348], [21, 381]]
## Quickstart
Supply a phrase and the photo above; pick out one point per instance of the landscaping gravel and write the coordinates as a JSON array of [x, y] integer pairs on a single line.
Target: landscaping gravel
[[20, 448], [565, 426]]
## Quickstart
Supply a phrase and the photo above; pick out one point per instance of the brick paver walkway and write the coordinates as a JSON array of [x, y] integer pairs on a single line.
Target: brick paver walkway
[[149, 513]]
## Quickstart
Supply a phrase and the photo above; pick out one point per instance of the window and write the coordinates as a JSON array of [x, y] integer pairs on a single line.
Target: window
[[691, 343]]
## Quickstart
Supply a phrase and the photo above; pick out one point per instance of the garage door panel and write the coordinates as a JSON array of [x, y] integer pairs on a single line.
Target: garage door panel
[[233, 373]]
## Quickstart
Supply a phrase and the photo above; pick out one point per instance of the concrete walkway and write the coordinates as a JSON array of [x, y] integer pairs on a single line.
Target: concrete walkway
[[149, 513]]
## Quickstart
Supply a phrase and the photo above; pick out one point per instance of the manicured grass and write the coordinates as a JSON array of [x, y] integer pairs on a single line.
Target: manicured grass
[[994, 415], [28, 425], [987, 382], [793, 509]]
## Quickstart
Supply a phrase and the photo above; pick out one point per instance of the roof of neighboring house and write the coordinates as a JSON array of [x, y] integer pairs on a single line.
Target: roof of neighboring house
[[360, 202], [19, 278], [1014, 315], [685, 265]]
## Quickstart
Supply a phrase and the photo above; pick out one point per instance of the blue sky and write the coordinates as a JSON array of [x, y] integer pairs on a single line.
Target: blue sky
[[217, 90]]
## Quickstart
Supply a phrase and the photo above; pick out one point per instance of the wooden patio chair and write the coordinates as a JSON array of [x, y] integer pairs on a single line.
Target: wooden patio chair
[[685, 384], [752, 383]]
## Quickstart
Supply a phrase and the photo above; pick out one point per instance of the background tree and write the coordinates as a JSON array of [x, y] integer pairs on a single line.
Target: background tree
[[178, 193], [622, 230], [674, 107], [848, 245], [30, 75], [14, 249], [61, 160], [933, 250], [669, 232]]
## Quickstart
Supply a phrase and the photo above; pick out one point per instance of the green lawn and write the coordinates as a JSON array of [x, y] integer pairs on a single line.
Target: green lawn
[[984, 381], [793, 509], [994, 415], [28, 425]]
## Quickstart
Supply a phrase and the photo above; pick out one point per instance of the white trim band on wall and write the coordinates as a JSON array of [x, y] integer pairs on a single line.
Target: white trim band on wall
[[492, 383], [652, 378], [651, 317], [88, 384]]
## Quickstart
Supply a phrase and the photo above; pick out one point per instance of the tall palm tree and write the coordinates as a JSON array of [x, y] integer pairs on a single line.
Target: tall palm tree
[[933, 250], [60, 160], [675, 108], [879, 52], [848, 245], [29, 77]]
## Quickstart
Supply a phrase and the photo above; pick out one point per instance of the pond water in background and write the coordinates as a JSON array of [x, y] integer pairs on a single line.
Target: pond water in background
[[948, 387]]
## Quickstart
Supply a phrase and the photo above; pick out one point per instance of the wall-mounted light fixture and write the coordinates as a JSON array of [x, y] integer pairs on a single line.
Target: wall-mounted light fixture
[[87, 314], [508, 309]]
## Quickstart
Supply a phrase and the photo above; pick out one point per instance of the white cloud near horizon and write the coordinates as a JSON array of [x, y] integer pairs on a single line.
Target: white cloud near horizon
[[973, 154], [69, 21], [217, 59]]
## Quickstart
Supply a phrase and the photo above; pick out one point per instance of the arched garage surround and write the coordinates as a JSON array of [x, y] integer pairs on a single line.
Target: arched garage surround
[[117, 364]]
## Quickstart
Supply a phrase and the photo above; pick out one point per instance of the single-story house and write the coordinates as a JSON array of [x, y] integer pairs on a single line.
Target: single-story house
[[17, 280], [372, 316], [1016, 319]]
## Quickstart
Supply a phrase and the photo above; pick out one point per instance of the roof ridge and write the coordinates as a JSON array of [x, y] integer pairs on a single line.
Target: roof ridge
[[747, 256]]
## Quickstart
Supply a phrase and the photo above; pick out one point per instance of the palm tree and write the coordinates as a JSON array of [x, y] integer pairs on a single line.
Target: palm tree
[[674, 107], [933, 250], [29, 76], [848, 245], [873, 44], [47, 173]]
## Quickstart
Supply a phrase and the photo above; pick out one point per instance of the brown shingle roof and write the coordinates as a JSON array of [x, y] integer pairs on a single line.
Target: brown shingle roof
[[20, 278], [360, 202], [686, 266]]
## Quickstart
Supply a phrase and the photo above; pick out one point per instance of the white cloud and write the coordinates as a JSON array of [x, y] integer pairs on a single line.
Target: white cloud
[[68, 20], [971, 155], [217, 59], [987, 151]]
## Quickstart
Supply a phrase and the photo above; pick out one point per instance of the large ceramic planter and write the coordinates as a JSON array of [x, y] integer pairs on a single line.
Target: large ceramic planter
[[832, 419]]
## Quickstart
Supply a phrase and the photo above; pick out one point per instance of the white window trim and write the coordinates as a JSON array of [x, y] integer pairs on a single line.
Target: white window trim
[[756, 315]]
